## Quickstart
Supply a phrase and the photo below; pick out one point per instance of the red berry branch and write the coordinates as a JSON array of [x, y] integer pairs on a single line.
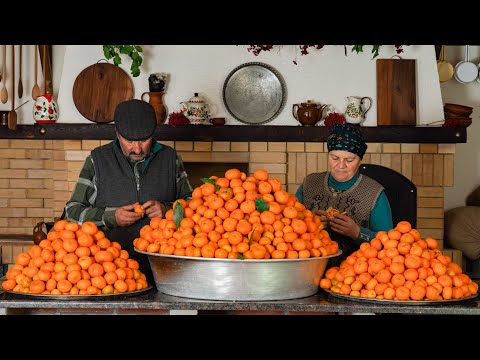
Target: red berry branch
[[257, 49], [177, 118], [333, 118]]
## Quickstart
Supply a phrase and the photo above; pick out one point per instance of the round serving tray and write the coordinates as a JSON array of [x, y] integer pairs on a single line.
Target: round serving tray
[[254, 93], [396, 302], [81, 297]]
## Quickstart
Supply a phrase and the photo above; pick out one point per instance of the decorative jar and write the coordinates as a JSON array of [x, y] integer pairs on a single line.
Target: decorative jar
[[196, 110], [45, 109]]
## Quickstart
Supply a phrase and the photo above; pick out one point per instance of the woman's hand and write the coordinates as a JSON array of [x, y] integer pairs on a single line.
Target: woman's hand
[[345, 225], [323, 216]]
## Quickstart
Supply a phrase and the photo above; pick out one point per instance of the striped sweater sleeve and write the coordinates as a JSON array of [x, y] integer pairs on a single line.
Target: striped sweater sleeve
[[80, 207]]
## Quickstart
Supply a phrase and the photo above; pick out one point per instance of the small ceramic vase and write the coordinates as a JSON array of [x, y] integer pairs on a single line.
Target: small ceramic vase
[[38, 233], [45, 109], [155, 99]]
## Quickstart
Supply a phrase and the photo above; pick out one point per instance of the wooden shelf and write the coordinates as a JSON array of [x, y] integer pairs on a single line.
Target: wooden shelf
[[376, 134]]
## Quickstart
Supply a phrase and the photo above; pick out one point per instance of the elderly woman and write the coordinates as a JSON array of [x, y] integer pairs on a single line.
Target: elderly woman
[[363, 207]]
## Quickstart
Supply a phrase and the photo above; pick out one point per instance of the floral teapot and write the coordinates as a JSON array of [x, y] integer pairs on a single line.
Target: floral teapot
[[356, 109], [45, 109], [196, 110]]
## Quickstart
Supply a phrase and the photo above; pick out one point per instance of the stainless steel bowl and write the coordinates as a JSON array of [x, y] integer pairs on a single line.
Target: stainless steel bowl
[[237, 280]]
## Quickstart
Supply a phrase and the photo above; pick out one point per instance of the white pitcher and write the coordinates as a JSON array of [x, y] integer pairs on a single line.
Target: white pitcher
[[356, 109]]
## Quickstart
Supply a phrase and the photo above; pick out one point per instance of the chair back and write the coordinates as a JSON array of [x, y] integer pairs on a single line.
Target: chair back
[[400, 191]]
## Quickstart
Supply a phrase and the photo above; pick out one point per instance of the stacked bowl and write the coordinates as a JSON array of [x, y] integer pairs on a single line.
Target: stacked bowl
[[460, 113]]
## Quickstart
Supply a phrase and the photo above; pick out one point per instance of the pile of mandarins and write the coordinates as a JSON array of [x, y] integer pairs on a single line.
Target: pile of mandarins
[[399, 265], [75, 260], [238, 217]]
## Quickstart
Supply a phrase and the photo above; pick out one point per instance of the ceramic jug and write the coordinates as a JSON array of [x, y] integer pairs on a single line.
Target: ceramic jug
[[356, 109], [309, 113], [155, 99], [196, 110], [45, 109], [38, 233]]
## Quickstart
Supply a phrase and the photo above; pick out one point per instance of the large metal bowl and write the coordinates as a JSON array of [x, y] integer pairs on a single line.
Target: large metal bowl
[[237, 280]]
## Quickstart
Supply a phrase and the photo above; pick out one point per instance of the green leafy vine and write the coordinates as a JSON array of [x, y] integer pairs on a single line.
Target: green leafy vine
[[133, 51]]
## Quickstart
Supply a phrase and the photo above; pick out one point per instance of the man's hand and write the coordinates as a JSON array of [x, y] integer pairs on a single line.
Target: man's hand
[[345, 225], [126, 216], [154, 208]]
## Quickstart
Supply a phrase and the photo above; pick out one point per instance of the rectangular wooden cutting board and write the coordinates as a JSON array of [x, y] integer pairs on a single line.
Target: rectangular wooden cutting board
[[396, 92]]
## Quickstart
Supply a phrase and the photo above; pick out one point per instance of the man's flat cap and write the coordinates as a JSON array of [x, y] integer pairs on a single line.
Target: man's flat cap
[[135, 120]]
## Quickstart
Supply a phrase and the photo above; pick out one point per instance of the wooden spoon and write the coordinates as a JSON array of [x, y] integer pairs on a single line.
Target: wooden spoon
[[44, 68], [36, 88], [20, 85], [3, 92], [12, 115]]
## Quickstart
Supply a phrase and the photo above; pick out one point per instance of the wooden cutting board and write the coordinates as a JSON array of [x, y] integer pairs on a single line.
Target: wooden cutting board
[[396, 92], [99, 88]]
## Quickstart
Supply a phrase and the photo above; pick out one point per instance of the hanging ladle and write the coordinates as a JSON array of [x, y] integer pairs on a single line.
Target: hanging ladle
[[445, 69], [466, 71]]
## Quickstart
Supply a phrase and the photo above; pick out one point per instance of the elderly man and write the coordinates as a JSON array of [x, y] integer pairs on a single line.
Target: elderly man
[[134, 169]]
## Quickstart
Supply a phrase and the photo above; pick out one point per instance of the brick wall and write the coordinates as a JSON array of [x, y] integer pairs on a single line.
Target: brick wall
[[38, 176]]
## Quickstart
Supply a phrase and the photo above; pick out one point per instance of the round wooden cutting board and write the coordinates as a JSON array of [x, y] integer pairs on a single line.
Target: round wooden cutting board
[[98, 89]]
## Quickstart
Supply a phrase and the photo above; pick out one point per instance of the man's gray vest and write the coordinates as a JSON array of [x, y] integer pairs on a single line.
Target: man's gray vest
[[116, 184]]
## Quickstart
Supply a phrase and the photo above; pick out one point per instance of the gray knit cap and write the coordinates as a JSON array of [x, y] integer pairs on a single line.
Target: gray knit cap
[[135, 120]]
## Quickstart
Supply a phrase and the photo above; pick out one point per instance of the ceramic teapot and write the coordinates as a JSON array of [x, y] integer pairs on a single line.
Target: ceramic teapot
[[45, 109], [309, 113], [196, 110], [356, 109]]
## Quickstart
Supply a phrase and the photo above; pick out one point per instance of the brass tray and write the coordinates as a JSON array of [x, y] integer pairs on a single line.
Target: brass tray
[[80, 297], [397, 302], [254, 93]]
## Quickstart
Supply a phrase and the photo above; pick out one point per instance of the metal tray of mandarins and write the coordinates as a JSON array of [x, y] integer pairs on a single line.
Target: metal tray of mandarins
[[80, 297], [397, 302]]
